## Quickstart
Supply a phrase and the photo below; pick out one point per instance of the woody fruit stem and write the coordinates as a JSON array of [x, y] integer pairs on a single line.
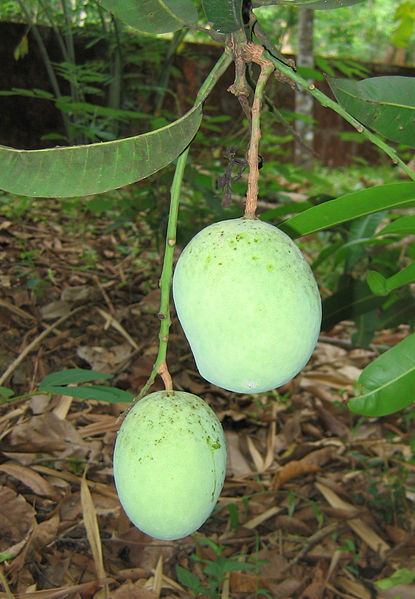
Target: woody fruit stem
[[254, 53]]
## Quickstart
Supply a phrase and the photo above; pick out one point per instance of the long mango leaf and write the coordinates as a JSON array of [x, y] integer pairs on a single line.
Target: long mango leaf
[[350, 206], [316, 4], [348, 303], [405, 225], [95, 168], [387, 384], [69, 376], [384, 104], [153, 16], [94, 392]]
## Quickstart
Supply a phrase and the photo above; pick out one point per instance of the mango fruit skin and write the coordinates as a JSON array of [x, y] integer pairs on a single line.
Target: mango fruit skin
[[169, 463], [248, 303]]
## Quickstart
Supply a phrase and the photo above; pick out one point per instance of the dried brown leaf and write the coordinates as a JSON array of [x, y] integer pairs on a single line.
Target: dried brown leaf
[[360, 527], [309, 464], [31, 479], [133, 590], [91, 527], [46, 532], [48, 433], [237, 464], [16, 518]]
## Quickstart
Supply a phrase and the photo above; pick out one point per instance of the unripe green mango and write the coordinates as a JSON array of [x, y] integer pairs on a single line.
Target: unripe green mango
[[169, 463], [248, 304]]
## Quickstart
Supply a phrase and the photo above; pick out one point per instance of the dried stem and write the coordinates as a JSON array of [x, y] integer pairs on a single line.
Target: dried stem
[[254, 53]]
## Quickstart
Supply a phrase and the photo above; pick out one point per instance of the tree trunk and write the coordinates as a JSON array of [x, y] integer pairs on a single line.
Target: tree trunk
[[303, 101]]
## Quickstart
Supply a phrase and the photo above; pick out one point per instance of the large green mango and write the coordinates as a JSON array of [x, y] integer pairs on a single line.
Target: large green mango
[[169, 463], [248, 304]]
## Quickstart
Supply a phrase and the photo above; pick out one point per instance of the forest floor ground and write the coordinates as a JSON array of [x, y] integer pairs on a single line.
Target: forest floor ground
[[317, 503]]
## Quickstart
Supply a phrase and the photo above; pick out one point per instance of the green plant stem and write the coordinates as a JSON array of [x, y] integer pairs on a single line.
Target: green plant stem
[[329, 103], [252, 193], [160, 365], [55, 29]]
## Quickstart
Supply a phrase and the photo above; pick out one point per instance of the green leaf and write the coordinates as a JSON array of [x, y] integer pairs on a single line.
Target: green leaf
[[382, 286], [224, 15], [349, 207], [332, 4], [5, 555], [71, 376], [388, 382], [377, 283], [94, 392], [188, 579], [366, 327], [5, 392], [402, 226], [284, 209], [350, 301], [95, 168], [153, 16], [316, 4], [385, 104], [21, 49], [361, 229], [405, 16], [401, 576], [30, 93]]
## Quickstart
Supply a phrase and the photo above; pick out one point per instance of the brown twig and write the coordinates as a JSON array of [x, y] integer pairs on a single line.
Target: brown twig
[[253, 52], [312, 541], [163, 371]]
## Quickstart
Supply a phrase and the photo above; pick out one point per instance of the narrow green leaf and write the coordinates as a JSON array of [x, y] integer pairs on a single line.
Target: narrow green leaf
[[95, 168], [284, 209], [153, 16], [31, 93], [402, 226], [384, 104], [94, 392], [360, 229], [401, 311], [366, 327], [71, 376], [349, 302], [224, 15], [387, 383], [332, 4], [316, 4], [342, 252], [403, 277], [350, 206]]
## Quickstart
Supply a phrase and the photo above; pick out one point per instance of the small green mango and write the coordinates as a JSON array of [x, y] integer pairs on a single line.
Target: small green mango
[[169, 463], [248, 304]]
